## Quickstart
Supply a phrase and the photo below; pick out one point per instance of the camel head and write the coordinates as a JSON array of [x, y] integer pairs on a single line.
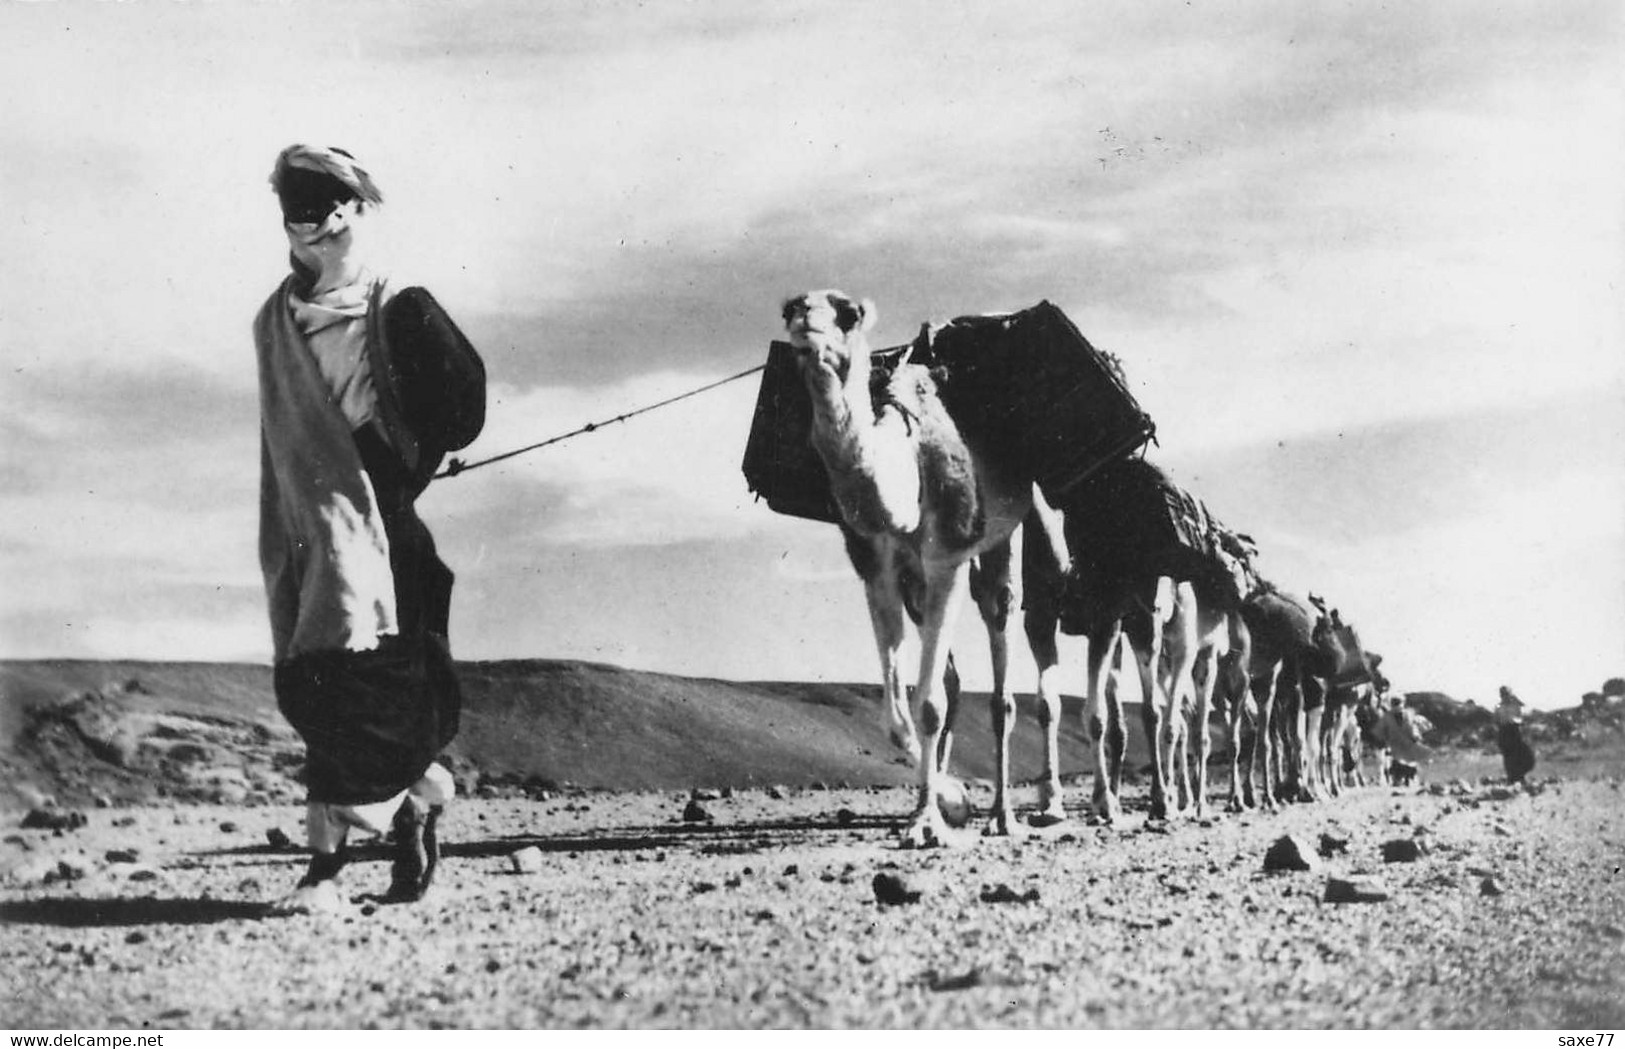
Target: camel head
[[829, 331]]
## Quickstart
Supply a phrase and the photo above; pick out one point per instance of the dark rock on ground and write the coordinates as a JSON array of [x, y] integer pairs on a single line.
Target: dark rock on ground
[[1402, 850], [1289, 853], [1355, 890], [891, 890]]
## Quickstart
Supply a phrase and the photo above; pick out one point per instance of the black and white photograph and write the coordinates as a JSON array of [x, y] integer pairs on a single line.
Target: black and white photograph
[[700, 515]]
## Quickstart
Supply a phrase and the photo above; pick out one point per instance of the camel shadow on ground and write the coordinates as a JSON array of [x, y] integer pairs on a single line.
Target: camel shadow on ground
[[72, 912], [708, 838]]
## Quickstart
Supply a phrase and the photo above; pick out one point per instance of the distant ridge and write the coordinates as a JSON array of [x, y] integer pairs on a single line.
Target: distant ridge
[[125, 731]]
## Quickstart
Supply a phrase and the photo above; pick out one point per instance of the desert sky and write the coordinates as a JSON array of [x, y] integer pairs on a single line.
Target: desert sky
[[1362, 264]]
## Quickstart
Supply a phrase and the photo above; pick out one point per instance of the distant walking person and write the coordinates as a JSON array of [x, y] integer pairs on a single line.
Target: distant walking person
[[1516, 754], [363, 390]]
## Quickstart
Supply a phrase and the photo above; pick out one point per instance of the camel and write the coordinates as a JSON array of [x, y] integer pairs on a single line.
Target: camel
[[1264, 670], [918, 505], [1344, 673], [1135, 581]]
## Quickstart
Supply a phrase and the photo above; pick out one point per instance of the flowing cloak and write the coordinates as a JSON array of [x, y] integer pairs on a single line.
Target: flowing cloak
[[359, 600]]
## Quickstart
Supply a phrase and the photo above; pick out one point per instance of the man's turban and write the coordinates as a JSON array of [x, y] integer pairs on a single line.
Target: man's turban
[[307, 178]]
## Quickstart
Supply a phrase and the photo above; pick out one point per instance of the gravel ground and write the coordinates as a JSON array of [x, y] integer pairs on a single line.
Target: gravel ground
[[766, 915]]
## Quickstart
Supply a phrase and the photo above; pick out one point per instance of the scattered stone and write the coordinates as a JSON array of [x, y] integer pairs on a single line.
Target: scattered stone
[[1500, 794], [1402, 850], [228, 827], [694, 812], [67, 870], [892, 891], [277, 838], [1002, 893], [143, 874], [136, 937], [1490, 887], [1355, 890], [701, 887], [703, 794], [1330, 845], [54, 819], [776, 793], [846, 817], [960, 982], [1289, 854], [527, 860], [123, 856]]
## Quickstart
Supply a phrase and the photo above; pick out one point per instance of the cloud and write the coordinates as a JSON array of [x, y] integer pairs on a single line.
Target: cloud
[[1291, 221], [668, 476]]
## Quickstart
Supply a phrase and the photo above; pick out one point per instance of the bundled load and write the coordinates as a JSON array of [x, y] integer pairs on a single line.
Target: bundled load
[[1130, 521], [1027, 384]]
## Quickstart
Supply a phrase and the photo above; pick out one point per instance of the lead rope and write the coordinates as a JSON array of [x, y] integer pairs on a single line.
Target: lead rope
[[456, 466]]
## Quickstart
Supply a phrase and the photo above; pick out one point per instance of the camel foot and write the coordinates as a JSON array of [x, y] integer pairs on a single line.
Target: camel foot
[[927, 830], [319, 898], [999, 825]]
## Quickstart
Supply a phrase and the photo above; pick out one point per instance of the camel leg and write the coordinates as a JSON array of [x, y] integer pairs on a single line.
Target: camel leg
[[1105, 716], [1044, 567], [1116, 727], [887, 615], [1155, 711], [1308, 723], [1204, 740], [1266, 760], [1241, 794], [950, 692], [1294, 770], [990, 589], [1040, 628], [1182, 647], [940, 606], [1331, 750]]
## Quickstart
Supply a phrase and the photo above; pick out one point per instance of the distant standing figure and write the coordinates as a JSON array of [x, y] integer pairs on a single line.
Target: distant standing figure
[[1516, 754], [362, 392]]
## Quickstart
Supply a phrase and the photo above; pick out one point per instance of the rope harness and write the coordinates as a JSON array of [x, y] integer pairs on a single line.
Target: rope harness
[[456, 466]]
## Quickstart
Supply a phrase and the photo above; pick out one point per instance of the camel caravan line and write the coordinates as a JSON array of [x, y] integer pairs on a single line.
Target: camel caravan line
[[929, 456]]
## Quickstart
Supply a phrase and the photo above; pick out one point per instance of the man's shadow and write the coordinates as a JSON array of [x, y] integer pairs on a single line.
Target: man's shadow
[[706, 838]]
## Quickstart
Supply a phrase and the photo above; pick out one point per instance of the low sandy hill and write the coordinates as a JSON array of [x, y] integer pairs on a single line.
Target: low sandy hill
[[88, 732]]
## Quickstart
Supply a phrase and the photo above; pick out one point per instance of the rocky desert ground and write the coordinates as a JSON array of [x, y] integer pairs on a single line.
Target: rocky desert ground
[[1470, 904]]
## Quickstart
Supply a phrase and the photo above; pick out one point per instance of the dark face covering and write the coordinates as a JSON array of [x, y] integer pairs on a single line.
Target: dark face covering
[[310, 196]]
